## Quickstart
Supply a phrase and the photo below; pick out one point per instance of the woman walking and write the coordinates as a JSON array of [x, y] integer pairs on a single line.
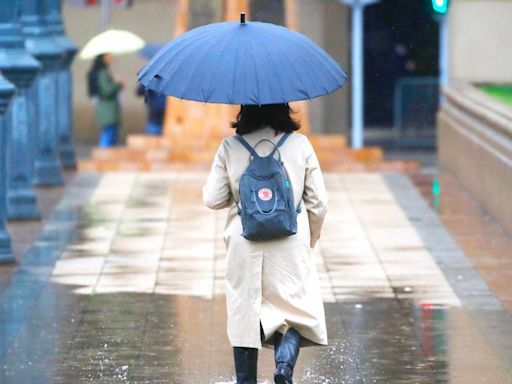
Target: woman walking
[[272, 289], [105, 89]]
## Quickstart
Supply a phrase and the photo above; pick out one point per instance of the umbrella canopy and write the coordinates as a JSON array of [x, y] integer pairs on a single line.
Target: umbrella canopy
[[112, 41], [150, 49], [242, 63]]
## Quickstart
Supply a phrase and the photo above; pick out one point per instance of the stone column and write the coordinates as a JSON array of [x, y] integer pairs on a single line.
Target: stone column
[[47, 168], [64, 85], [20, 68], [6, 93]]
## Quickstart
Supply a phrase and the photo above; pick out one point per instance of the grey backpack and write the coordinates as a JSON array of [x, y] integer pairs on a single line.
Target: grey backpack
[[266, 206]]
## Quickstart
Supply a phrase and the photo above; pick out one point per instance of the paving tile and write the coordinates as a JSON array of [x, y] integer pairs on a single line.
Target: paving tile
[[138, 294]]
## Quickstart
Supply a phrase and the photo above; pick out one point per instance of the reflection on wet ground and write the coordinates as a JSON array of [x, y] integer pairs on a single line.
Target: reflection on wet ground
[[125, 286], [481, 238]]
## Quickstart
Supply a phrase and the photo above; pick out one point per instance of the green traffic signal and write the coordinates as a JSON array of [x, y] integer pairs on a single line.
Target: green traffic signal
[[440, 6]]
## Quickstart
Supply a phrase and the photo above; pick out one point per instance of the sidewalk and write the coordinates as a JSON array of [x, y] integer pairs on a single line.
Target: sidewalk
[[25, 233], [125, 285]]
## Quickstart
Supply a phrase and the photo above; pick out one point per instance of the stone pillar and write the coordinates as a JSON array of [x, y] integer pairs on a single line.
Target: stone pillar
[[20, 68], [64, 85], [6, 93], [47, 169]]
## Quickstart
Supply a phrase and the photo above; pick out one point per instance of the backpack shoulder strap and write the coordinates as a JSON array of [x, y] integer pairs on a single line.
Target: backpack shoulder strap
[[279, 143], [246, 145], [283, 139]]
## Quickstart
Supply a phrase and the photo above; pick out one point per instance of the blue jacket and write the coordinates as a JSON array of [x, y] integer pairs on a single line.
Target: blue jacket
[[156, 104]]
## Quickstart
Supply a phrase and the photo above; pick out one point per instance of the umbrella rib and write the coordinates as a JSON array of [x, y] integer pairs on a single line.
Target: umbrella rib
[[198, 61], [209, 88], [275, 69], [307, 73], [256, 72], [306, 43], [299, 76], [165, 62], [311, 47]]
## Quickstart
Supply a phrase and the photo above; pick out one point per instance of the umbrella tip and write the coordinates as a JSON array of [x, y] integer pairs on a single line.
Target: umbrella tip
[[242, 18]]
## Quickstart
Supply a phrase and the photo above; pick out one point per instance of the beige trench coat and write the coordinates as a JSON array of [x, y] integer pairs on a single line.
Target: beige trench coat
[[272, 283]]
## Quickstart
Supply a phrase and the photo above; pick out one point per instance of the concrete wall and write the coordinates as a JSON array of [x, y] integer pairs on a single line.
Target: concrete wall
[[475, 144], [328, 24], [481, 40], [153, 20]]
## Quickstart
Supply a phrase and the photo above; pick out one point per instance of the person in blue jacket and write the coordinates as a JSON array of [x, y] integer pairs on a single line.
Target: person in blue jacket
[[156, 110]]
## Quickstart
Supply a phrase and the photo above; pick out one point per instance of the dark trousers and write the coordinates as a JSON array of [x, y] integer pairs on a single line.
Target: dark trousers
[[154, 129], [286, 352], [246, 365]]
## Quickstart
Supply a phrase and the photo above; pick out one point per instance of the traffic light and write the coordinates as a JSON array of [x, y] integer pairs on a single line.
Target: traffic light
[[440, 7]]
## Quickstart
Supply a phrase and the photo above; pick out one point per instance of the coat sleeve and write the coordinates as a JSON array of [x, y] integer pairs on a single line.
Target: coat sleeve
[[315, 195], [217, 191], [107, 88]]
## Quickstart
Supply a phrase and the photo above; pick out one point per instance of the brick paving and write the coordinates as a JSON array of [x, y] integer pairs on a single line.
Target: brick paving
[[125, 285], [24, 233], [156, 236], [483, 240]]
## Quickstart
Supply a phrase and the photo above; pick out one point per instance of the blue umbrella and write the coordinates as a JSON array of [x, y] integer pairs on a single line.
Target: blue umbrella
[[242, 63], [150, 49]]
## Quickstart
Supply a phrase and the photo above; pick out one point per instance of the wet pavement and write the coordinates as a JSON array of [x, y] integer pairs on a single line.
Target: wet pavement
[[483, 240], [24, 233], [125, 285]]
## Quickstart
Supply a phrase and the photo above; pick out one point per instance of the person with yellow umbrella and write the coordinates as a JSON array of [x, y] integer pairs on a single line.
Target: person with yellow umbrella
[[103, 85]]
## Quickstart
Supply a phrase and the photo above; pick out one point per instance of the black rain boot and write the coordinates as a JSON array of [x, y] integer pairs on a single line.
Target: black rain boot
[[286, 352], [246, 365]]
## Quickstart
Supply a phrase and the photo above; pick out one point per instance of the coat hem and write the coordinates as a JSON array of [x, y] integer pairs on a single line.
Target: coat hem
[[245, 343]]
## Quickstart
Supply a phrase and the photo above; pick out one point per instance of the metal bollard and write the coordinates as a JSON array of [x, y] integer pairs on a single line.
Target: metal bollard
[[20, 68], [64, 85], [7, 90], [47, 168]]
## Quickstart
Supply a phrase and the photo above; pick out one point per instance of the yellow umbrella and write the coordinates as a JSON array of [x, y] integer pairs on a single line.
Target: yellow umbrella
[[112, 41]]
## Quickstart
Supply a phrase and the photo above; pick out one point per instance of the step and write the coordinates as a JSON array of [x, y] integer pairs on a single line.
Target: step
[[87, 166], [333, 158], [146, 141], [191, 155], [111, 166], [118, 153], [347, 166], [367, 154], [327, 141], [178, 166], [407, 166], [158, 155], [130, 154]]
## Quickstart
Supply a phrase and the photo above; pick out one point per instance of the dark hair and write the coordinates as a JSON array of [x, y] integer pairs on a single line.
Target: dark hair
[[254, 117], [92, 75]]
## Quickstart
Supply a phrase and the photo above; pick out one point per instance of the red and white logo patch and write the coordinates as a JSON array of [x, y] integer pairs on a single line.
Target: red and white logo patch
[[265, 194]]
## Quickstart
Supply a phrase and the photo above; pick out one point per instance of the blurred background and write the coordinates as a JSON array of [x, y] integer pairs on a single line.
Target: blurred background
[[112, 269], [401, 65]]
